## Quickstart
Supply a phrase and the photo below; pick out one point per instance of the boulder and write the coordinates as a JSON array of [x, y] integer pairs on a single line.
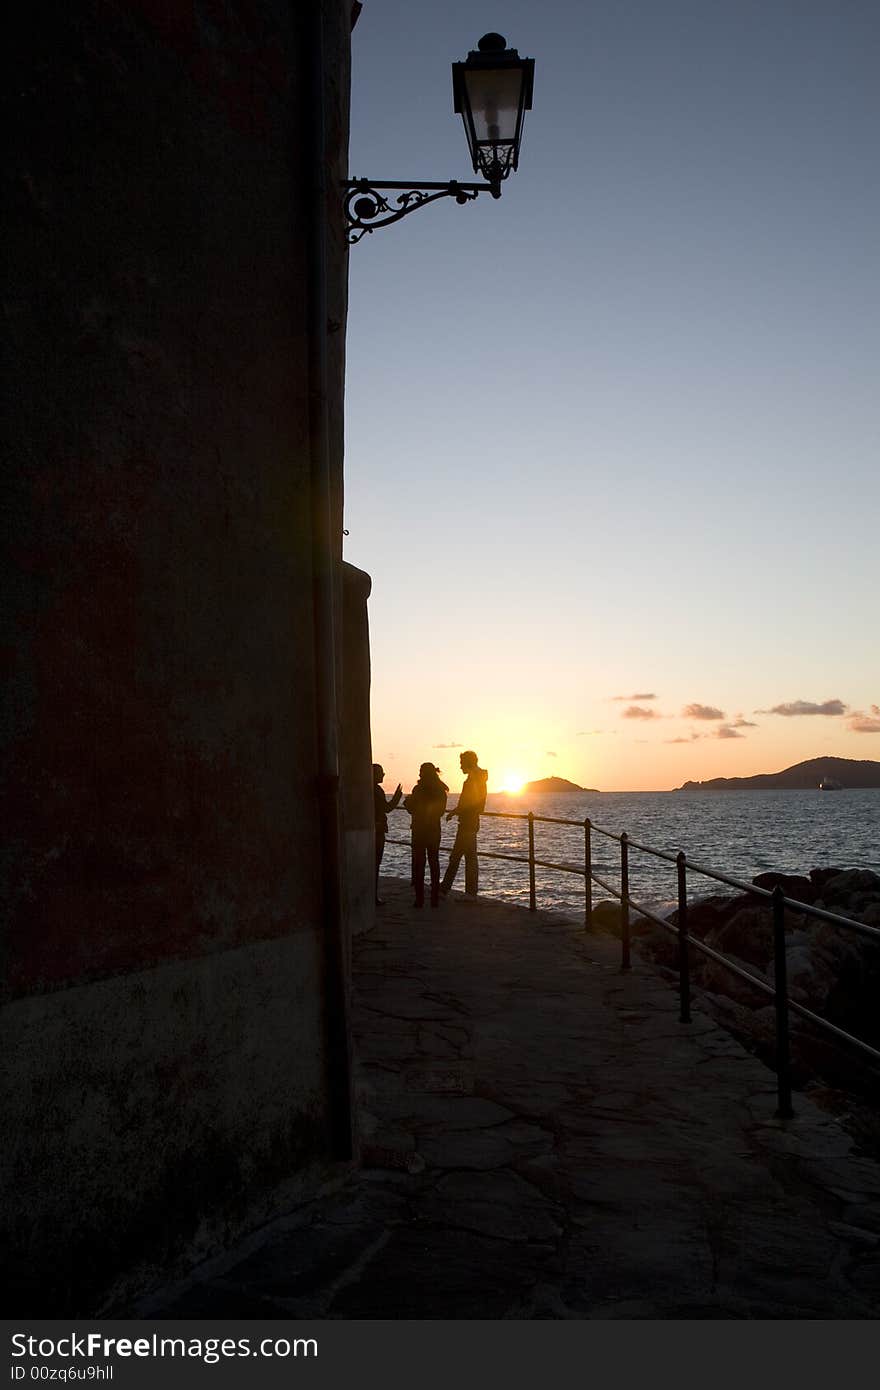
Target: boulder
[[659, 946], [860, 903], [748, 934], [819, 877], [809, 977], [719, 980], [606, 916], [846, 887], [795, 886], [755, 1028], [764, 1023], [643, 926], [707, 913]]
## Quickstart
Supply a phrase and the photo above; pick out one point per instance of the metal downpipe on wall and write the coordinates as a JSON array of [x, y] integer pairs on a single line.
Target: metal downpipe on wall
[[325, 587]]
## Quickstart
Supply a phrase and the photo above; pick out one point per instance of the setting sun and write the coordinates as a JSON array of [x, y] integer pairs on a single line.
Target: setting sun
[[512, 782]]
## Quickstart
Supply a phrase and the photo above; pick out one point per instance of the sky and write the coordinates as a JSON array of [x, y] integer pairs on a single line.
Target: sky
[[612, 440]]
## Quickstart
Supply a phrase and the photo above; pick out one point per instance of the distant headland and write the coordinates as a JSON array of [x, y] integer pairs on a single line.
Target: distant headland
[[555, 784], [856, 773]]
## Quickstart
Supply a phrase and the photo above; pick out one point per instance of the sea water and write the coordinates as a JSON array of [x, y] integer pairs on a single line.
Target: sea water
[[740, 833]]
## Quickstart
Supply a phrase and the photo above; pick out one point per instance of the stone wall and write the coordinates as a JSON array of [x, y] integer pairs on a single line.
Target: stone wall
[[165, 1019]]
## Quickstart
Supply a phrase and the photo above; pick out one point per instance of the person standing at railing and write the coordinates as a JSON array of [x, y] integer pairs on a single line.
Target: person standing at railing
[[381, 807], [426, 804], [470, 803]]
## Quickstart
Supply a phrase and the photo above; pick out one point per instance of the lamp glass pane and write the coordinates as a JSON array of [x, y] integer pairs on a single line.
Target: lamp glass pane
[[494, 99]]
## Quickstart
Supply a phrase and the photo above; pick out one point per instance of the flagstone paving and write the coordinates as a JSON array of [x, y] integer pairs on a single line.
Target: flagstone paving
[[577, 1152]]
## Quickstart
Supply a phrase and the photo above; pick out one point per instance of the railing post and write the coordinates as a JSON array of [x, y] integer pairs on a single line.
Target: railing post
[[588, 875], [624, 901], [532, 900], [684, 964], [784, 1109]]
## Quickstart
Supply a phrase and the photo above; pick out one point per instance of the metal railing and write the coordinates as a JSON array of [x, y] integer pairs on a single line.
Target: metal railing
[[779, 903]]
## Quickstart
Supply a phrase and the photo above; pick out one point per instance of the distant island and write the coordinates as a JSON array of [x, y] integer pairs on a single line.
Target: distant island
[[857, 773], [555, 784]]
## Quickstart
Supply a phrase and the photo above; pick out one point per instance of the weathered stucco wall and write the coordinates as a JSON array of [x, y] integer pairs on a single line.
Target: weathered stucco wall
[[153, 1115], [163, 884], [160, 564]]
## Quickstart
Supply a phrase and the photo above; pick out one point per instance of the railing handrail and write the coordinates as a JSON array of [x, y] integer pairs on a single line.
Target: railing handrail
[[775, 897], [793, 904]]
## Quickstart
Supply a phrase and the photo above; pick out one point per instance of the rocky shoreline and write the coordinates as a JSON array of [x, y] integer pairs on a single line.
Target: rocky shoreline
[[832, 970]]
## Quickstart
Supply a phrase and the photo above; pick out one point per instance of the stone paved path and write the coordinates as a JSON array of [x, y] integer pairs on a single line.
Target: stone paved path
[[585, 1154]]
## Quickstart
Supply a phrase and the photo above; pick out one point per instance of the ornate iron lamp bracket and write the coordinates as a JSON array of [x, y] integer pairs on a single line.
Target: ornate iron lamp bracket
[[366, 207]]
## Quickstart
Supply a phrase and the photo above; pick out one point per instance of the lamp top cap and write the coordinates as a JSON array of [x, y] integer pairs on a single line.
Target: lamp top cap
[[492, 43]]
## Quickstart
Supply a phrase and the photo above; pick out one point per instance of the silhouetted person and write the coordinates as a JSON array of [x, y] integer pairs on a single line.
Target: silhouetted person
[[381, 807], [470, 804], [426, 804]]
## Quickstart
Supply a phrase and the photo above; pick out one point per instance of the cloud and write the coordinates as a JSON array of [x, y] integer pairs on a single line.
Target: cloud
[[587, 733], [861, 723], [702, 712], [727, 731], [740, 723], [648, 696], [681, 740], [550, 754], [447, 745], [636, 712], [797, 707]]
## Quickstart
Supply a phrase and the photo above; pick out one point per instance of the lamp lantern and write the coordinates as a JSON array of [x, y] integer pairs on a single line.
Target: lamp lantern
[[492, 92]]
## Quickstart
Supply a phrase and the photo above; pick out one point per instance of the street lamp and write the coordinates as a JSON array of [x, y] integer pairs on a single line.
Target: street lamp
[[491, 91]]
